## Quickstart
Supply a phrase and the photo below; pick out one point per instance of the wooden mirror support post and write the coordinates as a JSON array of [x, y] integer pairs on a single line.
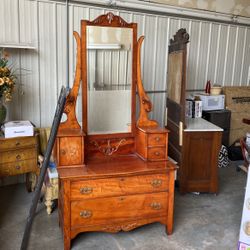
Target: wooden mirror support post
[[113, 181], [151, 140]]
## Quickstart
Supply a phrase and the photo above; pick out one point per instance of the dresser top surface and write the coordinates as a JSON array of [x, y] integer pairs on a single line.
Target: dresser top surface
[[115, 166], [200, 124]]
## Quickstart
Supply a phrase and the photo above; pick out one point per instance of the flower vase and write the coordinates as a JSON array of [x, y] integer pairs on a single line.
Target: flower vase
[[3, 113]]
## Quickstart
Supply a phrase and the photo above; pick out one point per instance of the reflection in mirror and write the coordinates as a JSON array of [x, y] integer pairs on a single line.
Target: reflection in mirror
[[109, 60]]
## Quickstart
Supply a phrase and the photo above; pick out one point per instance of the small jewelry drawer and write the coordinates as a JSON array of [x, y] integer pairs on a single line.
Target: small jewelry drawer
[[157, 139], [18, 142], [118, 186], [18, 155], [157, 153], [21, 167]]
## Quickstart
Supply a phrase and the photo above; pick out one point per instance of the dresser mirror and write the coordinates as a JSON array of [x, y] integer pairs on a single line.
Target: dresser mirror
[[108, 75], [109, 78]]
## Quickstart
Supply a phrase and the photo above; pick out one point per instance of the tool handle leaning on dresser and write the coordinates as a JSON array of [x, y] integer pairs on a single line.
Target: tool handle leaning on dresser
[[52, 137]]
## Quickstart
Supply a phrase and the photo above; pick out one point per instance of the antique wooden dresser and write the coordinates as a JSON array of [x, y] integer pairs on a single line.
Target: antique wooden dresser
[[114, 172], [19, 156], [194, 143]]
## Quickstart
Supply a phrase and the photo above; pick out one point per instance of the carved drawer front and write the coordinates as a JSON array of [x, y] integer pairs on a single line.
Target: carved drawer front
[[70, 151], [119, 186], [157, 153], [118, 209], [20, 167], [14, 143], [18, 155], [157, 139]]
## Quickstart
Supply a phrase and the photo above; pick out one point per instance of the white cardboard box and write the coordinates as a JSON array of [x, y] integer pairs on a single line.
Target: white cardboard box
[[18, 128]]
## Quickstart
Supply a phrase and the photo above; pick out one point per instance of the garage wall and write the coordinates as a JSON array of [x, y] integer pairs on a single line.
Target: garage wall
[[235, 7], [217, 51]]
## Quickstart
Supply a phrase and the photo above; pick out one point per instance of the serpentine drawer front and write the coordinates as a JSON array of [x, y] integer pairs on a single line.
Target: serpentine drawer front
[[119, 186], [118, 209]]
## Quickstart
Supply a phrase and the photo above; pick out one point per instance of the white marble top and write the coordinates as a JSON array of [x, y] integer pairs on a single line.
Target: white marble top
[[199, 124]]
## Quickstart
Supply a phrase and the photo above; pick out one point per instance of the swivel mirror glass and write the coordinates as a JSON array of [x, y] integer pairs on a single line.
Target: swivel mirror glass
[[109, 78]]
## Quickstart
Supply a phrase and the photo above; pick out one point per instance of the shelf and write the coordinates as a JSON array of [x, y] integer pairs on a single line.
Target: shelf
[[17, 46]]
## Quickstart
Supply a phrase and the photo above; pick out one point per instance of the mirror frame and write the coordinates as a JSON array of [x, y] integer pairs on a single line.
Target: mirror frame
[[108, 20]]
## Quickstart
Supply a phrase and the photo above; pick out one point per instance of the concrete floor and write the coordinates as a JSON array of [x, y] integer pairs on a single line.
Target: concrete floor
[[202, 221]]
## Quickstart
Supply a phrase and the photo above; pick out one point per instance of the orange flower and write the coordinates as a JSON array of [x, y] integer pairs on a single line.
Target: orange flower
[[1, 81]]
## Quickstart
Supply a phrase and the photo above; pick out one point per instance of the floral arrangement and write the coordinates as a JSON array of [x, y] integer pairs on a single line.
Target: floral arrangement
[[7, 78]]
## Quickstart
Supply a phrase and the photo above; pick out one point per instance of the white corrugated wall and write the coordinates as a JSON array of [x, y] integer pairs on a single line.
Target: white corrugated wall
[[217, 51]]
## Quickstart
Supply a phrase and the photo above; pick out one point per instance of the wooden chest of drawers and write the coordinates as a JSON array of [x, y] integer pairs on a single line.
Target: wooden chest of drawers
[[19, 156], [138, 193]]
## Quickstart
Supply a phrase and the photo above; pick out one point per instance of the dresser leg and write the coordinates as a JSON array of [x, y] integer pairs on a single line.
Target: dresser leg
[[28, 183], [169, 229], [48, 201], [67, 242], [48, 204]]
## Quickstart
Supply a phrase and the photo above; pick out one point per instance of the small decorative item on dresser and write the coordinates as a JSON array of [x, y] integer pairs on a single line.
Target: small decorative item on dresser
[[18, 128], [208, 87], [215, 90]]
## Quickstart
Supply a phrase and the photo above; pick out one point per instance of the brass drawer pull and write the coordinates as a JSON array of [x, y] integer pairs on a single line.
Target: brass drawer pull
[[18, 167], [18, 143], [157, 153], [155, 205], [18, 157], [86, 214], [157, 139], [156, 182], [86, 190]]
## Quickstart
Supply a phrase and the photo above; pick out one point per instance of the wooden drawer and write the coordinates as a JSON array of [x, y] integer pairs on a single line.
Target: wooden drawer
[[18, 155], [119, 186], [71, 151], [157, 140], [157, 153], [117, 209], [14, 143], [20, 167]]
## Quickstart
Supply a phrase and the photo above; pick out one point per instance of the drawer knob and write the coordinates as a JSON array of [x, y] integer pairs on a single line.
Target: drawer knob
[[17, 143], [156, 182], [157, 153], [157, 139], [86, 214], [63, 152], [18, 157], [86, 190], [18, 167], [155, 205]]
